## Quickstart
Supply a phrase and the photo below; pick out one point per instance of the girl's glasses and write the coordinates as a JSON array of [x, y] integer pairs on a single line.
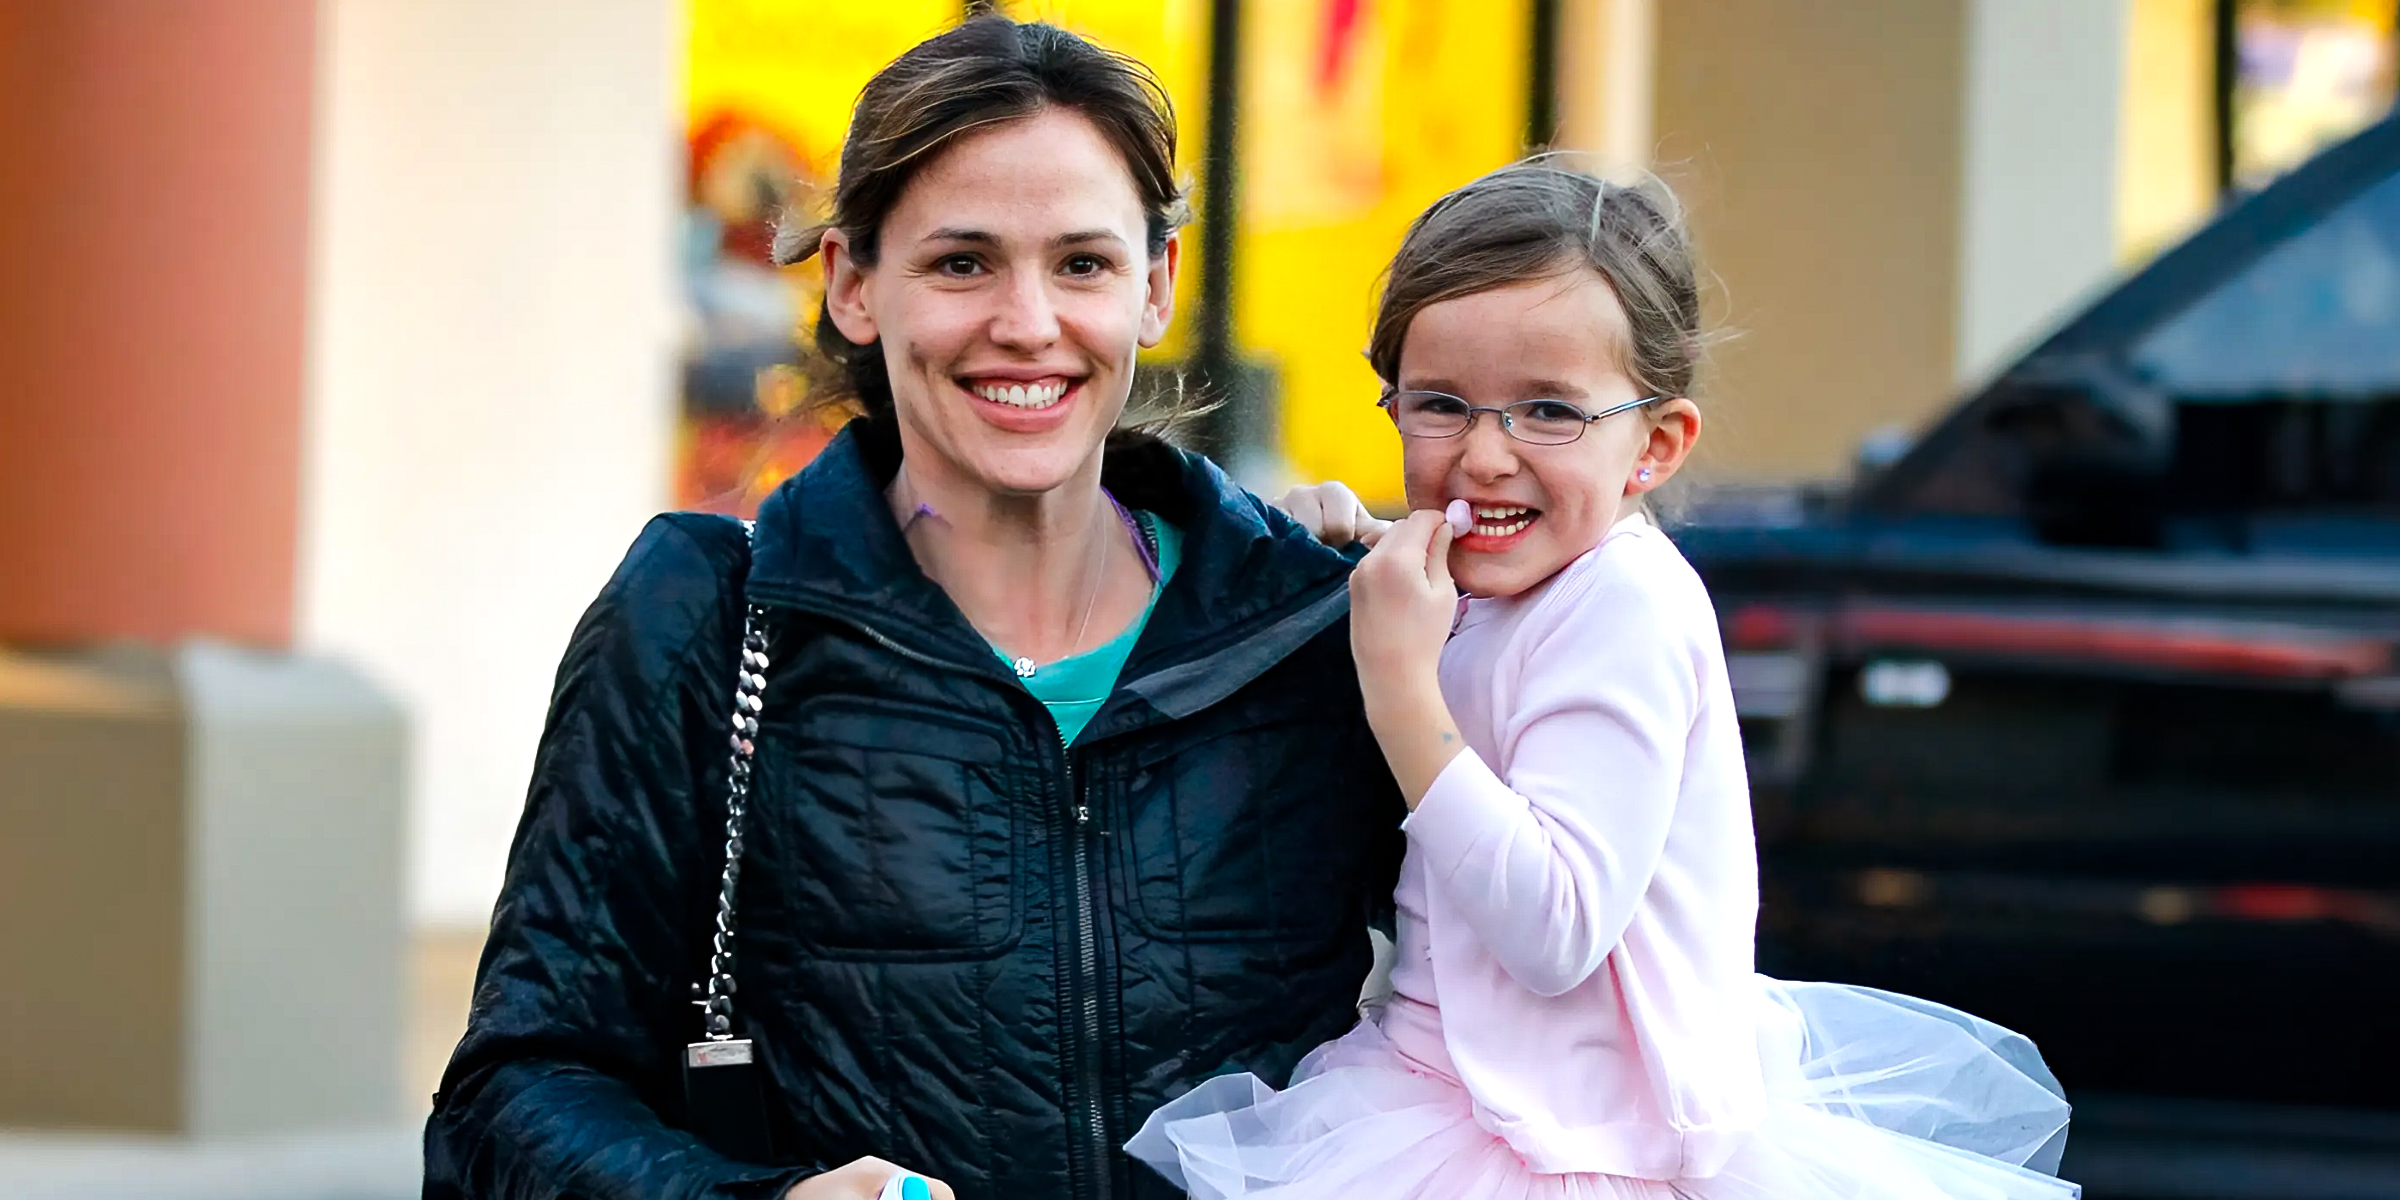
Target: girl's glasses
[[1536, 422]]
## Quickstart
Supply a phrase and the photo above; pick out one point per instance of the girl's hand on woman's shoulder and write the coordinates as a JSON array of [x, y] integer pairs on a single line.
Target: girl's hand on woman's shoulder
[[1333, 513], [863, 1179]]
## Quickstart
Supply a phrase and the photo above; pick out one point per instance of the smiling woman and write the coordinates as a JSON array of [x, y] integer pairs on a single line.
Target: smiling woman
[[1011, 291], [996, 259], [1051, 791]]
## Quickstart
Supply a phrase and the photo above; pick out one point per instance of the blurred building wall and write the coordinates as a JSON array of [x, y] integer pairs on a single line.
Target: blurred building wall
[[1818, 149], [490, 401], [153, 251], [1891, 197], [199, 841]]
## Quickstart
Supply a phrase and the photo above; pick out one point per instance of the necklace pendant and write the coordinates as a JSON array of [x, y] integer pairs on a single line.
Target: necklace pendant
[[1023, 667]]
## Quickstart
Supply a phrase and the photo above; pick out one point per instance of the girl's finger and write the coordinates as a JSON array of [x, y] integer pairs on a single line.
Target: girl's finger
[[1405, 543], [1437, 556]]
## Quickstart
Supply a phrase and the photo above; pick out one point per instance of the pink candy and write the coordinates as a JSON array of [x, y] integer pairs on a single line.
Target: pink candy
[[1460, 516]]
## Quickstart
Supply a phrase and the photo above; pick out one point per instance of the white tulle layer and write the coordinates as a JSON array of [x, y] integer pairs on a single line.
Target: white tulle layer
[[1871, 1096]]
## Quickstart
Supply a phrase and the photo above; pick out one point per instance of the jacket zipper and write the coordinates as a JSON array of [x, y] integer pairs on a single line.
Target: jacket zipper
[[1087, 949], [1087, 938]]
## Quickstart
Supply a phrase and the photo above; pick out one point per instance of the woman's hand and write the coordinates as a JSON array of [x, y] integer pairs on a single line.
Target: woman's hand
[[1334, 513], [1402, 604], [863, 1179]]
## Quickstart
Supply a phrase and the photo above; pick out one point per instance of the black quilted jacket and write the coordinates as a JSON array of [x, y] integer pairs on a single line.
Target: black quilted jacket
[[964, 948]]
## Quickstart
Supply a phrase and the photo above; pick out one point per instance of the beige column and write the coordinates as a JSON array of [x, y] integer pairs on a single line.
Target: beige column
[[1608, 54], [1818, 147]]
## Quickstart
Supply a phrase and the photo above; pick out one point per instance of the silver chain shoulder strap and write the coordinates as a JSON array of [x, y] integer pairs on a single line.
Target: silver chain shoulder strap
[[724, 1091], [750, 684]]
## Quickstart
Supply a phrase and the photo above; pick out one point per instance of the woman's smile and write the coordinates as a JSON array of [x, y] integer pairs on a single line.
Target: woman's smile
[[1023, 405], [1034, 396]]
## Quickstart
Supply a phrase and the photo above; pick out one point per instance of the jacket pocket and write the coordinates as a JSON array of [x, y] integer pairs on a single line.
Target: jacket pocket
[[886, 833], [1254, 827]]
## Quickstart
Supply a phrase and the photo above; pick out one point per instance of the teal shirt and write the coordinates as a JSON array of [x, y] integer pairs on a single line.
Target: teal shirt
[[1073, 689]]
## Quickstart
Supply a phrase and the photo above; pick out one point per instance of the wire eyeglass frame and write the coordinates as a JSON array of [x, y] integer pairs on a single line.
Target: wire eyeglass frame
[[1507, 413]]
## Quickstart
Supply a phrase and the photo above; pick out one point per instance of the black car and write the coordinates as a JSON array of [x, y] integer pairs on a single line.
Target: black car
[[2083, 714]]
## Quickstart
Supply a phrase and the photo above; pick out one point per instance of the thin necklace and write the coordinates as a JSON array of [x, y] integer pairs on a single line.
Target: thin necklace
[[1024, 665]]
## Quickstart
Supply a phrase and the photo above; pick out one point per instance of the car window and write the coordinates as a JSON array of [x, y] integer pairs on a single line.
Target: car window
[[2317, 317]]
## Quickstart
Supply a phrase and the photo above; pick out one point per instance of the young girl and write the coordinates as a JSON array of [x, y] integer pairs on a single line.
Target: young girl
[[1574, 1011]]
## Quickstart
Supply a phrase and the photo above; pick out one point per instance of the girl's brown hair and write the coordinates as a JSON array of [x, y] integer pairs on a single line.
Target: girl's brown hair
[[987, 71], [1535, 220]]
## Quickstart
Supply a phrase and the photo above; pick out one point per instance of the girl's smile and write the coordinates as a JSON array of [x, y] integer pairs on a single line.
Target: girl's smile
[[1498, 526]]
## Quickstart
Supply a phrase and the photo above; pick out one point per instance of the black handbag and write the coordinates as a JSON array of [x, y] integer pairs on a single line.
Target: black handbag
[[724, 1081]]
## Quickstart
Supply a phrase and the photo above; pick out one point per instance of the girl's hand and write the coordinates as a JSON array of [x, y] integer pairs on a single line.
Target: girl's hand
[[1333, 513], [860, 1180], [1402, 604]]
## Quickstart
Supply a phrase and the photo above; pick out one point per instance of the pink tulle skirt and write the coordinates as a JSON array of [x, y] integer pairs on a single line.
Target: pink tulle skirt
[[1881, 1097]]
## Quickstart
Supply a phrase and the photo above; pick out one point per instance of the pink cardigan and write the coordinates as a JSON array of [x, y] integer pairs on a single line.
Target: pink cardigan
[[1589, 871]]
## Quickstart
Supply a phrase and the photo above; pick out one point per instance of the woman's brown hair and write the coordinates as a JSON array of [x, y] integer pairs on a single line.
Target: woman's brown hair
[[988, 70], [1535, 220]]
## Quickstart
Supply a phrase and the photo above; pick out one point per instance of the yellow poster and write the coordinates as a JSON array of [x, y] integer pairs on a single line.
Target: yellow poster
[[1313, 150], [768, 87], [2307, 73], [1358, 114]]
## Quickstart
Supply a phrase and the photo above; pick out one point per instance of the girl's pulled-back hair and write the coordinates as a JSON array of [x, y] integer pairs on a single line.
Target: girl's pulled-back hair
[[1537, 220], [987, 71]]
